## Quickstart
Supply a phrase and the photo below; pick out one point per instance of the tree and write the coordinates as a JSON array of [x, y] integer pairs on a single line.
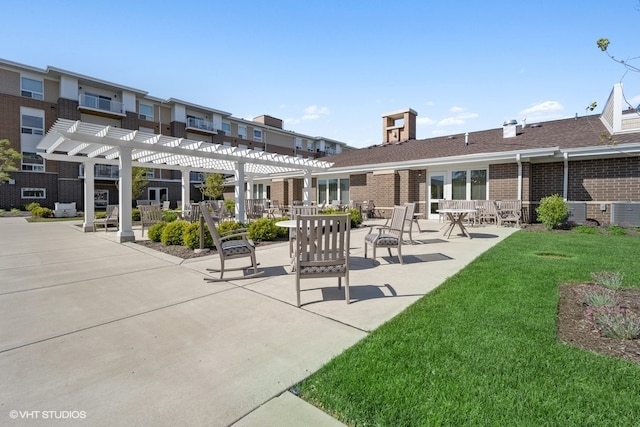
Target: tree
[[213, 186], [138, 181], [8, 160]]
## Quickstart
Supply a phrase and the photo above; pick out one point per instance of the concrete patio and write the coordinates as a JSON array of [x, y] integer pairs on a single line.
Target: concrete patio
[[130, 336]]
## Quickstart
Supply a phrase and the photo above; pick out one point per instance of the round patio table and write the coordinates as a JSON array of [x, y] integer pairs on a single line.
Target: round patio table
[[455, 217]]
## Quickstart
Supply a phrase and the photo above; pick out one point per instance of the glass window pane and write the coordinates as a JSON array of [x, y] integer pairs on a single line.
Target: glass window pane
[[32, 85], [344, 191], [333, 190], [32, 121], [459, 185], [322, 191], [479, 184]]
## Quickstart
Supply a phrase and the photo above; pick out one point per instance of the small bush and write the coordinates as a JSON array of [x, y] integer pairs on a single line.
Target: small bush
[[263, 229], [619, 324], [552, 211], [172, 233], [600, 299], [608, 279], [29, 207], [584, 229], [41, 212], [155, 231], [616, 230], [191, 236], [227, 226], [356, 217], [230, 205], [135, 214], [15, 211], [168, 216]]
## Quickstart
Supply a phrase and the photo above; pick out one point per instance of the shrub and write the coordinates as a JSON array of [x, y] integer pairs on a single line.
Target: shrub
[[600, 299], [619, 324], [155, 231], [263, 229], [135, 214], [584, 229], [230, 205], [168, 216], [616, 230], [356, 217], [227, 226], [172, 233], [42, 212], [552, 211], [608, 279], [191, 236], [15, 211], [29, 207]]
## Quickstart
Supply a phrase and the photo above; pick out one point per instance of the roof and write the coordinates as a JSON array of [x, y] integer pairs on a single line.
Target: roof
[[544, 138], [77, 141]]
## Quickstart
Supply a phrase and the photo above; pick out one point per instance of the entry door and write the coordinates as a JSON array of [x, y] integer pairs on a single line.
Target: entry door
[[435, 192], [158, 194]]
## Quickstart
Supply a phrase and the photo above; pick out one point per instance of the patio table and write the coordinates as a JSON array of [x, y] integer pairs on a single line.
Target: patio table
[[456, 217]]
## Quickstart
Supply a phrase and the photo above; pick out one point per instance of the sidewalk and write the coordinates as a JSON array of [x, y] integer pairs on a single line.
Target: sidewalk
[[134, 337]]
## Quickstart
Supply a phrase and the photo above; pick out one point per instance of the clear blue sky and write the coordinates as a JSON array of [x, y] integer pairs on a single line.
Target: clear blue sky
[[333, 67]]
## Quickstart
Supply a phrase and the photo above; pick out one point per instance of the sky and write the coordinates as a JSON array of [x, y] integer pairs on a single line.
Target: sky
[[333, 68]]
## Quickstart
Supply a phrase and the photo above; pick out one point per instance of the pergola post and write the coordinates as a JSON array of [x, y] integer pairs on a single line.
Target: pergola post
[[239, 192], [89, 197], [125, 229], [186, 187], [306, 190]]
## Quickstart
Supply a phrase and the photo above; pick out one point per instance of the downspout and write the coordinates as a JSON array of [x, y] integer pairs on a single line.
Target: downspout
[[565, 177], [519, 161]]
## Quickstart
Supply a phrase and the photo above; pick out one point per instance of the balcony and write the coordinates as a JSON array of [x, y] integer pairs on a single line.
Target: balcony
[[110, 172], [198, 125], [101, 104]]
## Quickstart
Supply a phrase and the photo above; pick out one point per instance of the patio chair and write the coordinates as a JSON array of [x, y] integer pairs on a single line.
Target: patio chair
[[230, 246], [166, 205], [388, 236], [149, 215], [509, 211], [322, 249], [294, 212], [112, 215]]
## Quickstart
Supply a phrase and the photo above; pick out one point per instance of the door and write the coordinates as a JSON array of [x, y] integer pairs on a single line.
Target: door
[[435, 192]]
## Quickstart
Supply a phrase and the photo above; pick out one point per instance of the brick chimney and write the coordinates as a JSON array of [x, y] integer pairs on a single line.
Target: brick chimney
[[399, 126]]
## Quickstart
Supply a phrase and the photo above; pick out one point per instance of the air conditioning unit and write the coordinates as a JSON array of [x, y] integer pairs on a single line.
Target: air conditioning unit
[[577, 212], [625, 213]]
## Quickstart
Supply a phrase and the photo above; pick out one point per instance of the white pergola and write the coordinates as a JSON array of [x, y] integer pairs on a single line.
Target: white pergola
[[91, 144]]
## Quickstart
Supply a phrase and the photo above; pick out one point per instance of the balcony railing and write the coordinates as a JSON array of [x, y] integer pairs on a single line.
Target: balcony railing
[[102, 104], [200, 124]]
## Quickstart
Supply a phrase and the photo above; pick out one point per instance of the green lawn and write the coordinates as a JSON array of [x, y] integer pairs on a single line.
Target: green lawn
[[482, 348]]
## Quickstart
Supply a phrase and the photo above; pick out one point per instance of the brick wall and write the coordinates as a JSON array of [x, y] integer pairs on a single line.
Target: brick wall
[[503, 181]]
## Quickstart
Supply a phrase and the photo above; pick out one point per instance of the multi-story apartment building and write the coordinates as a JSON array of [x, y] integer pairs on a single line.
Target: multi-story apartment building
[[32, 99]]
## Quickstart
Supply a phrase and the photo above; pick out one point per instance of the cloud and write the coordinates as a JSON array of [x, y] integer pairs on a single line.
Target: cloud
[[430, 103], [314, 110], [543, 108], [424, 121], [457, 119], [450, 121], [547, 110]]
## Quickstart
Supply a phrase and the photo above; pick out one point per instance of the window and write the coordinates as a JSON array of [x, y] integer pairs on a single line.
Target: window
[[333, 189], [31, 132], [32, 125], [34, 193], [298, 143], [226, 128], [257, 135], [32, 162], [459, 185], [242, 132], [146, 112], [479, 184], [31, 88], [310, 146]]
